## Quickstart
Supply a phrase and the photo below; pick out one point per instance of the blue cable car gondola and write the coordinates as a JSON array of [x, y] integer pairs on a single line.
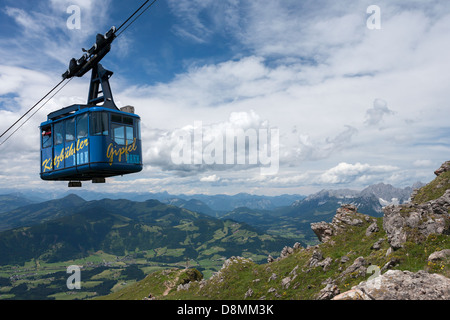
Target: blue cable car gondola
[[93, 141]]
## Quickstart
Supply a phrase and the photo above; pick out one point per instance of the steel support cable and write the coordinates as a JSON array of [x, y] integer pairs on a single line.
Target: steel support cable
[[24, 115], [48, 100], [129, 18], [140, 14]]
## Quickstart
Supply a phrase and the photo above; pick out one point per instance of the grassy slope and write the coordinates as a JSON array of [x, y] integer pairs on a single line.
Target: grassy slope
[[159, 284], [241, 276], [234, 281], [434, 189]]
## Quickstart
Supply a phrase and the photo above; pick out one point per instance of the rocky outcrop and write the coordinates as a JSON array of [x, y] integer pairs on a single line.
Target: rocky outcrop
[[287, 251], [414, 222], [444, 168], [441, 255], [317, 260], [218, 276], [331, 290], [324, 231], [357, 269], [248, 294], [347, 215], [400, 285], [372, 229]]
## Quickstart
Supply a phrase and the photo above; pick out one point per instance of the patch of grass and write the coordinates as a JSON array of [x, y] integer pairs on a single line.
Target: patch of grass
[[159, 284], [434, 189], [414, 257]]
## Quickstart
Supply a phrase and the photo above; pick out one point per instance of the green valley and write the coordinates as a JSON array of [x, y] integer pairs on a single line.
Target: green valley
[[108, 237]]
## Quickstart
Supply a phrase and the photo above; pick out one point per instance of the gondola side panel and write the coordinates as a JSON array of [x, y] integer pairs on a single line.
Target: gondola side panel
[[82, 152], [46, 160]]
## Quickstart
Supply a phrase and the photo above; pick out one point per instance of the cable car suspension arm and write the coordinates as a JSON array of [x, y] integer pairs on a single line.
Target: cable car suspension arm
[[90, 59]]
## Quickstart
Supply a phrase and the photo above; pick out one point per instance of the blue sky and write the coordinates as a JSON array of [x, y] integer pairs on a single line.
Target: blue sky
[[353, 105]]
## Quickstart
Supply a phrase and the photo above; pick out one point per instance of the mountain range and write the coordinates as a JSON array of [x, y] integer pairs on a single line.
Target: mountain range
[[219, 202], [287, 215], [294, 220], [70, 228]]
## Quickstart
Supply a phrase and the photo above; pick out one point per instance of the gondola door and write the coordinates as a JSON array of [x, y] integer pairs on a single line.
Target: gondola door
[[46, 149], [69, 143], [82, 140]]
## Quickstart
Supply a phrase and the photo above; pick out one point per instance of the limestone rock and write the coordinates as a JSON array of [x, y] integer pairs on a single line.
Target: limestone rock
[[390, 264], [353, 294], [439, 255], [325, 264], [345, 216], [428, 218], [317, 260], [393, 224], [218, 276], [377, 245], [324, 231], [372, 229], [185, 286], [347, 208], [316, 257], [273, 277], [294, 271], [248, 294], [286, 252], [401, 285], [297, 246], [358, 268], [331, 290], [286, 282], [444, 167]]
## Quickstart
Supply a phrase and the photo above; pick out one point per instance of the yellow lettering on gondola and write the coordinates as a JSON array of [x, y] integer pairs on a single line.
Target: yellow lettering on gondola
[[47, 165], [65, 153], [115, 151]]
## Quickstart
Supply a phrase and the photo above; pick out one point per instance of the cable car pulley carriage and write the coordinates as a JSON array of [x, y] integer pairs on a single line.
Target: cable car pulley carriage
[[93, 141]]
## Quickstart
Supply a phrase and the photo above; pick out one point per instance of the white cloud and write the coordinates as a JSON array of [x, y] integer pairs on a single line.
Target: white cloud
[[212, 178], [200, 20], [422, 163], [375, 115], [214, 85], [348, 173], [207, 145], [300, 29]]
